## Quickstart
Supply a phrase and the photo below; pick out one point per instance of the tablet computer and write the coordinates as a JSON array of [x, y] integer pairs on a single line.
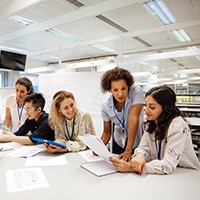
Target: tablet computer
[[39, 140]]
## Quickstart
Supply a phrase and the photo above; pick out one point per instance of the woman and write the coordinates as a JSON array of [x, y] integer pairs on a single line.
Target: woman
[[123, 109], [166, 142], [15, 113], [68, 122]]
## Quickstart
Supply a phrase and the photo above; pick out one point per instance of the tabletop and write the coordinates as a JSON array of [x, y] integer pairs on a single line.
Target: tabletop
[[71, 182]]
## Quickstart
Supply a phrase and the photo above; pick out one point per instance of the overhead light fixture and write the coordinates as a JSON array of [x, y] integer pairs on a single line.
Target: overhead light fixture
[[103, 48], [195, 48], [160, 11], [21, 20], [181, 35], [63, 34]]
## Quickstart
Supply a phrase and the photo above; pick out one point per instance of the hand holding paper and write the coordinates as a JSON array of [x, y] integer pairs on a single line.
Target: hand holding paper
[[96, 145], [102, 167]]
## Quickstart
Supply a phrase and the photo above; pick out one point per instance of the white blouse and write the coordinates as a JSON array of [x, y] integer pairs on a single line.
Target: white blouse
[[175, 150]]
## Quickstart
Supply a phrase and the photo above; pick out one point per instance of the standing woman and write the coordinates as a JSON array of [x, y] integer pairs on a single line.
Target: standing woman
[[15, 113], [68, 122], [123, 109]]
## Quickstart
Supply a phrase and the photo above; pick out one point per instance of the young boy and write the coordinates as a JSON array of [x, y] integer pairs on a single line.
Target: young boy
[[36, 123]]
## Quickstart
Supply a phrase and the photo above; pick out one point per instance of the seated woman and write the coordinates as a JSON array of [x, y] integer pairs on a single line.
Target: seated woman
[[166, 142], [68, 122]]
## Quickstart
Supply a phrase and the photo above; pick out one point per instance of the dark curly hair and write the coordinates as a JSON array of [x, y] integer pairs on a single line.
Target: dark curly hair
[[115, 74], [166, 97]]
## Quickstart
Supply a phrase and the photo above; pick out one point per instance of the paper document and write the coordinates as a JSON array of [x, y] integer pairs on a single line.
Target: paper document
[[5, 147], [96, 145], [99, 167], [46, 160], [89, 156], [25, 179], [26, 151]]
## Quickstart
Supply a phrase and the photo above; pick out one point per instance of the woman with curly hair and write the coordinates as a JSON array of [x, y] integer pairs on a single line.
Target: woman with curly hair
[[124, 110], [166, 142]]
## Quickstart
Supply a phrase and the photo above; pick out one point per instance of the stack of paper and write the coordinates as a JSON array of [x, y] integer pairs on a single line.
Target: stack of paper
[[100, 167]]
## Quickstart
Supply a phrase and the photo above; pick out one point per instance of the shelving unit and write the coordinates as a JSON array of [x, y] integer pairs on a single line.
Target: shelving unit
[[188, 101]]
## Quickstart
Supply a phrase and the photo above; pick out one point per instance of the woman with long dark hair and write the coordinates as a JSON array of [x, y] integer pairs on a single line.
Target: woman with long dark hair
[[167, 141]]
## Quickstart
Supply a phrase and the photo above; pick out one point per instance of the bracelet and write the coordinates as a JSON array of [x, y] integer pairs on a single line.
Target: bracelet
[[6, 128]]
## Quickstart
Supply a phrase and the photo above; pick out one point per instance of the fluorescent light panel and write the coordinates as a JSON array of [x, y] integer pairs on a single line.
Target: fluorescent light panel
[[63, 34], [21, 20], [181, 35], [161, 12], [103, 48]]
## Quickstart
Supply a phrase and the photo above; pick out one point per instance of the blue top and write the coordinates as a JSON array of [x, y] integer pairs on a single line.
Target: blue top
[[39, 128], [120, 119]]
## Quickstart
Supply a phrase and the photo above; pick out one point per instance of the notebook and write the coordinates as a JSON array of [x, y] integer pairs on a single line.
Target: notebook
[[102, 167]]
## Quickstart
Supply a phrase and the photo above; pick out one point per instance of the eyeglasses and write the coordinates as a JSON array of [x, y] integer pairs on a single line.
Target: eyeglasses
[[29, 109]]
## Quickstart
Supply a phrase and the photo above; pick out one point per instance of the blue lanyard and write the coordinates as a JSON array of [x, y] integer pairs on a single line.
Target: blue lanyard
[[20, 112], [72, 133], [158, 148], [122, 120]]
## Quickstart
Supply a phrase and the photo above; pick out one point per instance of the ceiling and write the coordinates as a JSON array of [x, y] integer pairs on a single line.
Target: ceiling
[[140, 42]]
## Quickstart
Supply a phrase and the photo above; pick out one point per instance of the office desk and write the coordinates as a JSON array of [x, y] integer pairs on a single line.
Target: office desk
[[71, 182]]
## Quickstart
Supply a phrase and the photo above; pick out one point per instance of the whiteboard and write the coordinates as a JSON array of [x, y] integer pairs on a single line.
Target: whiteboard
[[86, 89]]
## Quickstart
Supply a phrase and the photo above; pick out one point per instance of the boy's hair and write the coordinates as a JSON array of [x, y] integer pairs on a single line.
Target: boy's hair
[[37, 100]]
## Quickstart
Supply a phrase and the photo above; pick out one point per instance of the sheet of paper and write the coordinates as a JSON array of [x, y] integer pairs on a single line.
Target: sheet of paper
[[96, 145], [25, 179], [5, 147], [89, 156], [46, 160], [26, 151], [99, 168]]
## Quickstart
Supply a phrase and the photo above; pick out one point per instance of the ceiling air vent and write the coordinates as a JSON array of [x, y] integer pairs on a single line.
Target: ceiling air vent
[[75, 3], [111, 23]]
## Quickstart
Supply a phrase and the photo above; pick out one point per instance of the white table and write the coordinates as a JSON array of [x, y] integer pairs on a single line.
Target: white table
[[71, 182]]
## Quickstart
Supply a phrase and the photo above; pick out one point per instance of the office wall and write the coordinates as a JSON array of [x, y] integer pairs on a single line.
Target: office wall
[[85, 86], [4, 92]]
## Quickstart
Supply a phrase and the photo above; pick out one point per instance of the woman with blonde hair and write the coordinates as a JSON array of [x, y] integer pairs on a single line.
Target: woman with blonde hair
[[68, 122]]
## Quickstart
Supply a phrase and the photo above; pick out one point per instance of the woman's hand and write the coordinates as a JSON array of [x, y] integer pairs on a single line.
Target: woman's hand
[[126, 156], [121, 165], [138, 163], [55, 149]]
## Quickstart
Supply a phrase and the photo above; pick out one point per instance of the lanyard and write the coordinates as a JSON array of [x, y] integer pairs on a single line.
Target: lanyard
[[20, 111], [70, 136], [158, 148], [122, 120]]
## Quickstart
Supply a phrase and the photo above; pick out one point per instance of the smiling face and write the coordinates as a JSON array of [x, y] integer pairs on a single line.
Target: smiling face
[[119, 90], [153, 109], [68, 108]]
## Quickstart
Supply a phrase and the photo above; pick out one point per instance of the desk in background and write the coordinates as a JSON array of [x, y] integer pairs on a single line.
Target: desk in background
[[71, 182]]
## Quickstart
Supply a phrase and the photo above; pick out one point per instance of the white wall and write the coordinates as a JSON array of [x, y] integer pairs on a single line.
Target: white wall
[[85, 87]]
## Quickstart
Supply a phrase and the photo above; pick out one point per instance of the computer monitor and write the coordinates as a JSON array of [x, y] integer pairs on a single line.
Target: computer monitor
[[12, 61]]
